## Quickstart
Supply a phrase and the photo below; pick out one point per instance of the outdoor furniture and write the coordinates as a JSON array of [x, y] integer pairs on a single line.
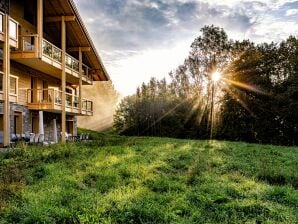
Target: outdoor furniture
[[41, 140], [31, 139], [26, 137], [13, 138], [19, 137], [36, 137], [66, 136], [87, 137]]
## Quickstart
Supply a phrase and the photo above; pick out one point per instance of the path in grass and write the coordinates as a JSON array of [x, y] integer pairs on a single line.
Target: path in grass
[[149, 180]]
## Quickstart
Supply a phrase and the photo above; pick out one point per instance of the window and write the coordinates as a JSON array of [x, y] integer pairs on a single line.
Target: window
[[13, 85], [1, 81], [1, 22], [13, 29]]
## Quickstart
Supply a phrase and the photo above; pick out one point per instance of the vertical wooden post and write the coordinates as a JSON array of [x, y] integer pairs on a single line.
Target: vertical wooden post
[[81, 76], [63, 79], [39, 26], [6, 83]]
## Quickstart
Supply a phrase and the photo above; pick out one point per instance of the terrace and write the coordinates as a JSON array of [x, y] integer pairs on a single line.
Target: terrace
[[51, 100], [50, 61]]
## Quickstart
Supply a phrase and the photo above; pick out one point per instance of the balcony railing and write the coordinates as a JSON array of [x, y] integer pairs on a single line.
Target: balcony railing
[[50, 51], [51, 99]]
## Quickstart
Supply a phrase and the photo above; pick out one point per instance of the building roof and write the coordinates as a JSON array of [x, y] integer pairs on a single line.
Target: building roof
[[77, 35]]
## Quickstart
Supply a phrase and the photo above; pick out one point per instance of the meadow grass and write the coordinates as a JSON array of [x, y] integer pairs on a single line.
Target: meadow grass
[[116, 179]]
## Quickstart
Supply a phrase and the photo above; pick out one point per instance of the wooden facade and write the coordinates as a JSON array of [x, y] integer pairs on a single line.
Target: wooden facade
[[47, 57]]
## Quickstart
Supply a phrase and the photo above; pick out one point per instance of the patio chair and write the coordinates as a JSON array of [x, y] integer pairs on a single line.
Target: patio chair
[[36, 137], [19, 137], [42, 141], [82, 137], [87, 137], [67, 137], [31, 138], [26, 137], [13, 138]]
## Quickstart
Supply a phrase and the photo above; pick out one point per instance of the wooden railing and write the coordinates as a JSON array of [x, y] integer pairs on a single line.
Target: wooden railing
[[52, 99], [28, 43]]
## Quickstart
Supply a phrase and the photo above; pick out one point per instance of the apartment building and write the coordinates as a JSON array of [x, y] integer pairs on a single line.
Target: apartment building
[[46, 57]]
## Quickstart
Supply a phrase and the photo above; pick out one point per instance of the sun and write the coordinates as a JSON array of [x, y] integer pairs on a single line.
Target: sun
[[216, 76]]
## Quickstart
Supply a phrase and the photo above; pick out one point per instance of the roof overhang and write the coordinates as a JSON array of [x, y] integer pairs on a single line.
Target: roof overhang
[[77, 35]]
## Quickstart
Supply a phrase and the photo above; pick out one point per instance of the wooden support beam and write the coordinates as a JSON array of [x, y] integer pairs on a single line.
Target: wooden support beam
[[6, 83], [77, 49], [63, 81], [81, 77], [40, 26], [59, 19]]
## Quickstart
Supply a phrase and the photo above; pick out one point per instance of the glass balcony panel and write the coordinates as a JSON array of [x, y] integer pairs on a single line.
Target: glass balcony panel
[[47, 49], [57, 54], [75, 65], [68, 61]]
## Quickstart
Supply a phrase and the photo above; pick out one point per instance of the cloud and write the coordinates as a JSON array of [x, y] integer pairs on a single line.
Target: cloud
[[131, 34], [135, 24], [291, 12]]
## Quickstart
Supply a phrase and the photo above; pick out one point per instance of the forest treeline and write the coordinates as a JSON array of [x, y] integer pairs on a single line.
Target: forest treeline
[[255, 100]]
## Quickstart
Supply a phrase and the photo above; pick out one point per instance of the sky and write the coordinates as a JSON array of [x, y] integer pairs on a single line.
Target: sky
[[139, 39]]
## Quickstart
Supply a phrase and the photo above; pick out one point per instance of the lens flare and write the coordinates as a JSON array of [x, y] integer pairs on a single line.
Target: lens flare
[[216, 76]]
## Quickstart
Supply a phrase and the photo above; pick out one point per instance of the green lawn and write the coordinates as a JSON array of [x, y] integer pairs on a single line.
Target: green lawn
[[149, 180]]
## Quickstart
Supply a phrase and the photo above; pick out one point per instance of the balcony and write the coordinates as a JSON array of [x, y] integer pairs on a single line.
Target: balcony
[[13, 31], [50, 61], [51, 100]]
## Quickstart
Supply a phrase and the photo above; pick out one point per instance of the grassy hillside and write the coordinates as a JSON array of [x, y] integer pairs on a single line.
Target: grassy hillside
[[149, 180]]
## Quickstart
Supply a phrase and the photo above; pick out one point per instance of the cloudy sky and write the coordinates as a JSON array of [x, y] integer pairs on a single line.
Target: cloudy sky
[[138, 39]]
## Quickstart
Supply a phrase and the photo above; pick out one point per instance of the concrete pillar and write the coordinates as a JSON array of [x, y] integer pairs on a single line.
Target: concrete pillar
[[55, 133], [40, 123]]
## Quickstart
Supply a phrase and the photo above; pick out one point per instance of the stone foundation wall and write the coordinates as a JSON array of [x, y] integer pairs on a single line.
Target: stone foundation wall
[[25, 113], [26, 117], [48, 119]]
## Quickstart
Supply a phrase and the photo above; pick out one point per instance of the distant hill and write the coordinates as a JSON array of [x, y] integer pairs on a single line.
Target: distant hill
[[105, 99]]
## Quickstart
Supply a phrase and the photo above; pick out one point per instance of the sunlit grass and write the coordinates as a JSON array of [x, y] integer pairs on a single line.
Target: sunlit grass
[[115, 179]]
